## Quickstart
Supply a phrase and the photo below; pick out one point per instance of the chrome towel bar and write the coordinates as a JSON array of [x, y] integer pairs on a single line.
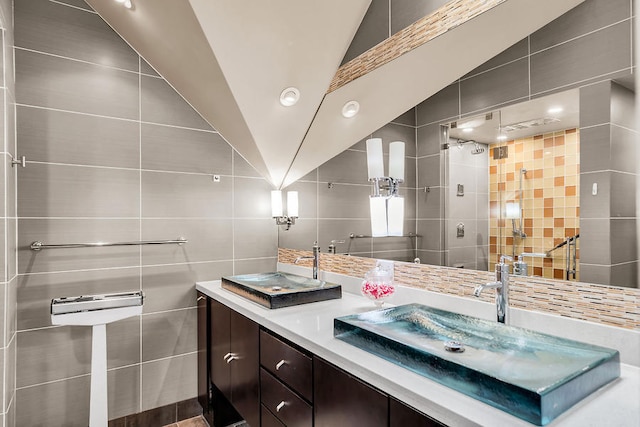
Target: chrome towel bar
[[36, 246]]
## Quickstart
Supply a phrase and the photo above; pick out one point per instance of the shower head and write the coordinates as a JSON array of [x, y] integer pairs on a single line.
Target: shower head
[[477, 149]]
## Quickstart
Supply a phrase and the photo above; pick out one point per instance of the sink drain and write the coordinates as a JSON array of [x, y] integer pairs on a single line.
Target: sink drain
[[276, 288], [454, 346]]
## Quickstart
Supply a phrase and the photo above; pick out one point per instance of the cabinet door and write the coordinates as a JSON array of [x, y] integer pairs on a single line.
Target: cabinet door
[[220, 347], [342, 400], [203, 368], [245, 369], [401, 415]]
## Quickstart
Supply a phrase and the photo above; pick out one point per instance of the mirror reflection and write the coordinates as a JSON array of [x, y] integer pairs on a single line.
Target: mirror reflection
[[505, 182], [525, 160]]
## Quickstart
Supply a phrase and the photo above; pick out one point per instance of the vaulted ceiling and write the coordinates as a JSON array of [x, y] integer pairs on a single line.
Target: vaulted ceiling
[[231, 59]]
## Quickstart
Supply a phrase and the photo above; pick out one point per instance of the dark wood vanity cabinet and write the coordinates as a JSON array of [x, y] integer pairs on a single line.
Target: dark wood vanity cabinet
[[203, 345], [343, 400], [286, 375], [401, 415], [234, 362], [253, 374]]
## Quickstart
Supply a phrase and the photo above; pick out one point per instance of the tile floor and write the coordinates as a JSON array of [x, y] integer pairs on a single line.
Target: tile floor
[[191, 422]]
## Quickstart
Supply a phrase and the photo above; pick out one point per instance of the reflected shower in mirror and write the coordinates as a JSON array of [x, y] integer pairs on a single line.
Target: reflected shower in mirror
[[527, 180], [533, 188]]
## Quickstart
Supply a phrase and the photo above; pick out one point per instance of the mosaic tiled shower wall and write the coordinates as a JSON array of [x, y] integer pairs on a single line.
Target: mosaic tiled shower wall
[[550, 200]]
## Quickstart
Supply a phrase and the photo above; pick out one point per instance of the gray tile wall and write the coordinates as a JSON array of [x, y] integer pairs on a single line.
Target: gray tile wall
[[608, 249], [333, 212], [587, 45], [8, 277], [385, 18], [573, 51], [114, 154]]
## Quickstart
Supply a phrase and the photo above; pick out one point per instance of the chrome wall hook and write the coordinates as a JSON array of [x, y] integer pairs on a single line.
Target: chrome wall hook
[[22, 161]]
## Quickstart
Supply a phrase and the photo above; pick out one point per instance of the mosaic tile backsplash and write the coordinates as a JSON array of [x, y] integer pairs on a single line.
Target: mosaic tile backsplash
[[606, 305], [449, 16], [551, 205]]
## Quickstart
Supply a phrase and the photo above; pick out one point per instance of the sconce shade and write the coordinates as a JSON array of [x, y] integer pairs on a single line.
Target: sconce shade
[[375, 165], [395, 206], [378, 207], [396, 160], [512, 210], [276, 203], [292, 204]]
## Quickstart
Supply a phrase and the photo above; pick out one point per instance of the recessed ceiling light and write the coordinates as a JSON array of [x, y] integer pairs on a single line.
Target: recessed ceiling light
[[502, 137], [467, 130], [289, 96], [554, 110], [126, 3], [350, 109]]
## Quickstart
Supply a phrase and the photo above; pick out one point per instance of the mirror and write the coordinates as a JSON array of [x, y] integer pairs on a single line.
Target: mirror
[[524, 159], [463, 200]]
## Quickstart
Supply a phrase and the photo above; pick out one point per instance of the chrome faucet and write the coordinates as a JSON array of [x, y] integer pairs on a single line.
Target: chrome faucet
[[501, 285], [315, 258]]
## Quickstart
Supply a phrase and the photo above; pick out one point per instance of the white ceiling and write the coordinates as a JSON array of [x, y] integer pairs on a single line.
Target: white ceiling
[[488, 130], [230, 59], [264, 47]]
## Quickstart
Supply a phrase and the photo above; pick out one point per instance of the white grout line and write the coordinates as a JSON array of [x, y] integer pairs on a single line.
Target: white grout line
[[389, 19], [608, 170], [190, 353], [582, 35], [493, 68], [172, 310], [82, 61], [80, 113], [206, 174], [233, 220], [140, 396], [152, 313], [529, 65], [72, 6], [131, 267], [5, 242], [581, 83], [26, 387], [117, 368]]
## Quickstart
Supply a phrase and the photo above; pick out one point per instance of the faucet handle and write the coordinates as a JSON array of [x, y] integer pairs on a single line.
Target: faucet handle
[[505, 257]]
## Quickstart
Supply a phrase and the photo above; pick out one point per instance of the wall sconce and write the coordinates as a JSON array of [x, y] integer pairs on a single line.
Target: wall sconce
[[292, 208], [386, 205]]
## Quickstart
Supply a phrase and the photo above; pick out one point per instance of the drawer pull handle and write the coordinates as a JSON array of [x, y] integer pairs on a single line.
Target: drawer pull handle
[[280, 364], [280, 406], [226, 356], [232, 358], [200, 298]]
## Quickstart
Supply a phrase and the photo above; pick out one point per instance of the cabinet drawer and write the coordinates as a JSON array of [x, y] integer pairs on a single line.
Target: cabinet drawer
[[287, 406], [268, 419], [288, 364]]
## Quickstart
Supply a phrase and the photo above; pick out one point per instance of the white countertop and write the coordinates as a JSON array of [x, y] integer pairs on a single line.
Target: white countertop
[[311, 326]]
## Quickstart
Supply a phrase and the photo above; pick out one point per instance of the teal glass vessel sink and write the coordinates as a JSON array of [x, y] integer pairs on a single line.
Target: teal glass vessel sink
[[531, 375], [276, 290]]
